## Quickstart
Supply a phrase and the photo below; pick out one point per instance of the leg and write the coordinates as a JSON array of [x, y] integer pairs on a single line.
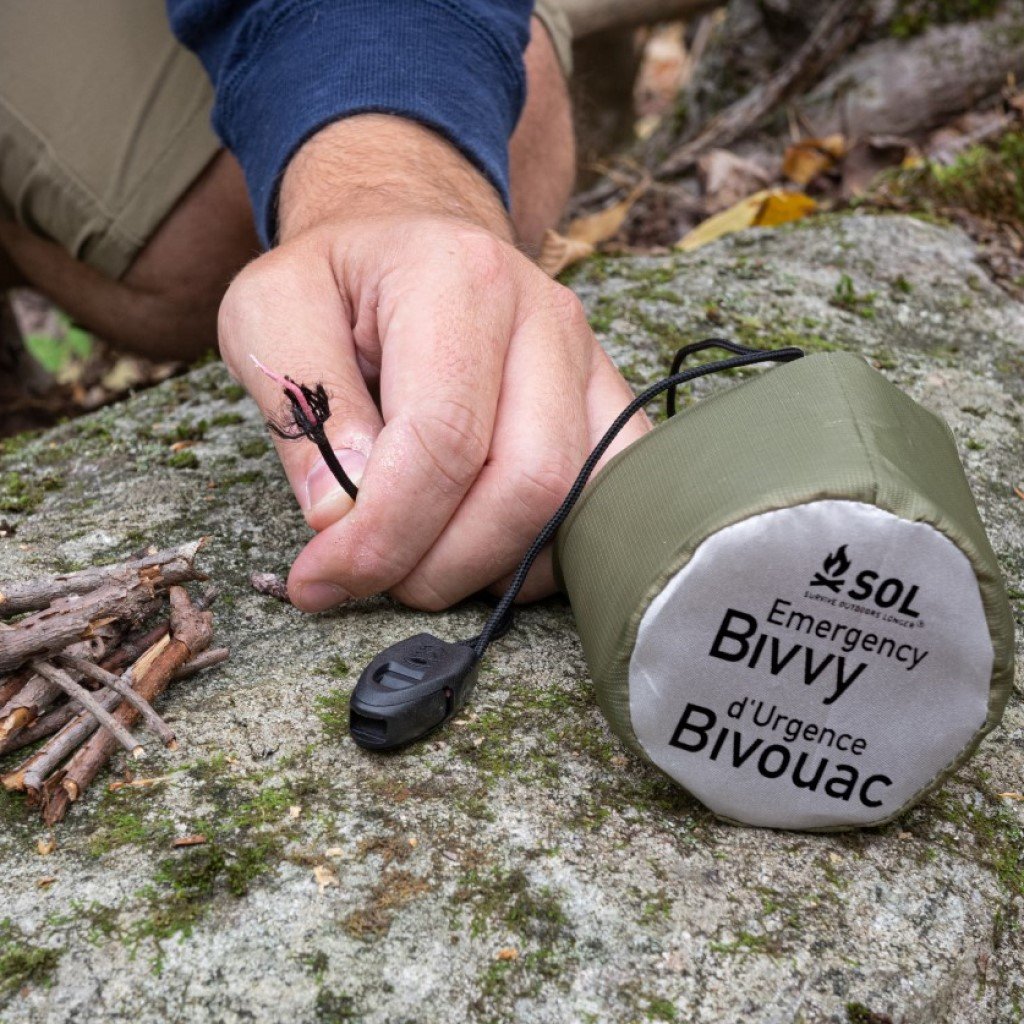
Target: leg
[[165, 306], [542, 152]]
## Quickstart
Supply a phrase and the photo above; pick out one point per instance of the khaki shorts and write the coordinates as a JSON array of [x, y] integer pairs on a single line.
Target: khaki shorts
[[105, 121]]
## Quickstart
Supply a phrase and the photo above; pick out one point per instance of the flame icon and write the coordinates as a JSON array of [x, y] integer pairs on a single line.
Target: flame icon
[[834, 569]]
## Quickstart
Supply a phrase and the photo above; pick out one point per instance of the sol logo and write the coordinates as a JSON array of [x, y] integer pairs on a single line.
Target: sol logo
[[887, 593]]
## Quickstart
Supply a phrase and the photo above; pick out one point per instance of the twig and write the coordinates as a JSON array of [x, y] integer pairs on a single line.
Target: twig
[[40, 728], [77, 617], [201, 662], [39, 693], [271, 584], [80, 694], [30, 774], [191, 632], [154, 722], [175, 565], [839, 28]]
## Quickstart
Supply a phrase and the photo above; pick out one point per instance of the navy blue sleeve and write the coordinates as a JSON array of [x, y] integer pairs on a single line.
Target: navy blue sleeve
[[283, 69]]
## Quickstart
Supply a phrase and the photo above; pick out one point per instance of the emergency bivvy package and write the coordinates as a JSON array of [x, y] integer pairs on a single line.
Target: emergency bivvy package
[[787, 599]]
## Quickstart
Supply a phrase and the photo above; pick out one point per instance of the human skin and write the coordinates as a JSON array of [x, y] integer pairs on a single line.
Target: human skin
[[466, 386]]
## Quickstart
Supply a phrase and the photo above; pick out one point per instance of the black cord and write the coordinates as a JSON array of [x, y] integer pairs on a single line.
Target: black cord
[[500, 620]]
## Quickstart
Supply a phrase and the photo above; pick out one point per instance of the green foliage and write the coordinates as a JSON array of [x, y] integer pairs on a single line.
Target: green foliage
[[22, 963], [847, 297], [912, 17], [185, 459], [57, 351], [986, 180], [189, 430]]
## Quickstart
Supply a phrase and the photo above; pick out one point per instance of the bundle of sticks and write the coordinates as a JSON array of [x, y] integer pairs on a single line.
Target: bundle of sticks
[[81, 664]]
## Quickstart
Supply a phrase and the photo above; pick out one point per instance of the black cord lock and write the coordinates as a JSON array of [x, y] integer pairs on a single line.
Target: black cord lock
[[409, 690]]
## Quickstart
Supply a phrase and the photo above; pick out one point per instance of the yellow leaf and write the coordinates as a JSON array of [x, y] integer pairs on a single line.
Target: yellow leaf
[[782, 207], [739, 216], [763, 209], [808, 158], [558, 252]]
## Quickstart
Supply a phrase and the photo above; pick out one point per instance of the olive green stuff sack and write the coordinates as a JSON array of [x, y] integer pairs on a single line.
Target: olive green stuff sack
[[788, 602]]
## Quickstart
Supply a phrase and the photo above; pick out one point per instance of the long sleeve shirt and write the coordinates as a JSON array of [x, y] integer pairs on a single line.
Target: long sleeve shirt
[[284, 69]]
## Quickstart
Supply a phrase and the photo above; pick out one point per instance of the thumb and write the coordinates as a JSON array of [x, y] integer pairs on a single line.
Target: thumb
[[294, 325]]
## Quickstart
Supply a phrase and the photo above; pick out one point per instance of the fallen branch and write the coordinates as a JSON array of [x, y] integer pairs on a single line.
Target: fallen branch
[[839, 28], [39, 693], [30, 774], [154, 722], [77, 617], [191, 633], [79, 693], [162, 568]]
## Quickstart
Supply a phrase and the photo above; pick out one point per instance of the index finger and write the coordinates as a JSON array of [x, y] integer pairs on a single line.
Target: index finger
[[444, 340]]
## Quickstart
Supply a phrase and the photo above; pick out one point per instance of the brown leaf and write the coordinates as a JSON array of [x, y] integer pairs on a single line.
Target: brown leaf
[[325, 876], [727, 178], [507, 953], [808, 158], [599, 227], [558, 252], [44, 847], [46, 881]]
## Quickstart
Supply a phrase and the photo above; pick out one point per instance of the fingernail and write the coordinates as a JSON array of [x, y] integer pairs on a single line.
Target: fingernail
[[321, 483], [318, 597]]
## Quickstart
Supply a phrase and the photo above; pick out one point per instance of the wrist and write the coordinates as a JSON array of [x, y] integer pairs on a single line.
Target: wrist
[[378, 163]]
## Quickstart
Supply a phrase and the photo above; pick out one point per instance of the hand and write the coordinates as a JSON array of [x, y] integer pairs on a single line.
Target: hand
[[492, 389]]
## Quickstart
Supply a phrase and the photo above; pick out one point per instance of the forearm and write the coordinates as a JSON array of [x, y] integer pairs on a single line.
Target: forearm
[[373, 163]]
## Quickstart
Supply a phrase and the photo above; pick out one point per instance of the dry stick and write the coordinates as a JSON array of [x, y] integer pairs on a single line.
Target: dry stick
[[11, 685], [175, 565], [201, 662], [79, 693], [39, 693], [29, 774], [55, 720], [154, 722], [74, 618], [191, 632], [40, 729], [840, 27]]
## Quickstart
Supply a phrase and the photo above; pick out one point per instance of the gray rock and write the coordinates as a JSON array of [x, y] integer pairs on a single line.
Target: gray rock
[[524, 827]]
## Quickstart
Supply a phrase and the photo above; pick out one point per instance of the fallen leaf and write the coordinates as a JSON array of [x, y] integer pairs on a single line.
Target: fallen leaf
[[413, 841], [507, 953], [599, 227], [325, 877], [1019, 491], [1012, 796], [558, 252], [334, 851], [294, 811], [808, 158], [194, 840], [727, 178], [782, 207], [180, 446], [763, 209], [46, 846], [46, 881]]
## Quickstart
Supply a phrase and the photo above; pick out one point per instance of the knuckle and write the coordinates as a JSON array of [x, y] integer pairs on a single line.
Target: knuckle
[[455, 441], [484, 257], [568, 310], [542, 486]]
